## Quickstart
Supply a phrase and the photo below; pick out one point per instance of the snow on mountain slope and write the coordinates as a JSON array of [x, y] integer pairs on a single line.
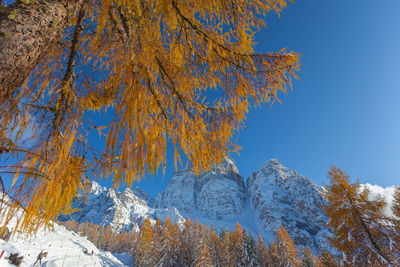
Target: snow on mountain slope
[[64, 248], [123, 211], [215, 194], [281, 196]]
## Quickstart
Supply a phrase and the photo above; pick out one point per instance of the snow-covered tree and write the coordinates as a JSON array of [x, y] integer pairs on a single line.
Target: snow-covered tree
[[216, 250], [327, 259], [187, 244], [284, 252], [143, 251], [249, 256], [359, 223], [169, 245], [203, 258], [309, 260], [263, 252]]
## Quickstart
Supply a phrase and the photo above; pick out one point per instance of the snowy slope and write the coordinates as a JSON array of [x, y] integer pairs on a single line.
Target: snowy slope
[[123, 211], [217, 194], [64, 248]]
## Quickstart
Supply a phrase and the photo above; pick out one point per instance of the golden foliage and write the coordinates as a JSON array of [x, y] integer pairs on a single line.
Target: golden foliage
[[361, 229], [284, 252], [154, 72]]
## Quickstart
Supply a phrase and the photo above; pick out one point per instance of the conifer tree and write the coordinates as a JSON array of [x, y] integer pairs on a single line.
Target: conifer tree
[[168, 253], [143, 251], [359, 224], [187, 244], [203, 258], [284, 252], [396, 206], [156, 243], [228, 248], [149, 69], [249, 256], [396, 223], [309, 260], [264, 255], [327, 259], [235, 245], [217, 250]]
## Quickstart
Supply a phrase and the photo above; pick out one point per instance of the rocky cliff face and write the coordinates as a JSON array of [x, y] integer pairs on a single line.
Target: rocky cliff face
[[216, 194], [281, 196]]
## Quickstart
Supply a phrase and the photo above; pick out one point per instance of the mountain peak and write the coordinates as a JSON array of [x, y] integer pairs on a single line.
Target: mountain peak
[[273, 163], [227, 166]]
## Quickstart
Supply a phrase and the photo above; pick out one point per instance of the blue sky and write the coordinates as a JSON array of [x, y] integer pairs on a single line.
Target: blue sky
[[344, 110]]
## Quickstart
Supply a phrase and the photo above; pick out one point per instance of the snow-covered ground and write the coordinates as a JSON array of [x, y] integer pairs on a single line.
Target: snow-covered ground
[[64, 248]]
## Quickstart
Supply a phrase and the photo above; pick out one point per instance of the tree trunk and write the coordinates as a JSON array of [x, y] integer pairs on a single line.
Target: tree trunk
[[28, 28]]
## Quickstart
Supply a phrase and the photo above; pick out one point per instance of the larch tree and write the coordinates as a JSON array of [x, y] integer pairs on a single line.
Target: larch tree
[[309, 260], [360, 225], [144, 248], [203, 258], [264, 253], [187, 244], [396, 206], [284, 251], [396, 221], [327, 259], [217, 250], [141, 74], [168, 253]]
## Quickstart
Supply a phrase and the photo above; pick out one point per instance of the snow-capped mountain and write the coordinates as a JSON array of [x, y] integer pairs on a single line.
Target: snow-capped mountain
[[216, 194], [273, 196], [123, 211], [280, 196]]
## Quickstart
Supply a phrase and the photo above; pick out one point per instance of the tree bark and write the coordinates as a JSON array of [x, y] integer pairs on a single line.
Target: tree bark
[[28, 29]]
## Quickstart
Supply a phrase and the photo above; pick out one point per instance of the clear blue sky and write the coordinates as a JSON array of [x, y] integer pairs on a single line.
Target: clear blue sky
[[344, 110]]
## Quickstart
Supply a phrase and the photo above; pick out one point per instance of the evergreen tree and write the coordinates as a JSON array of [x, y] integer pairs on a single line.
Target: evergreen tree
[[327, 259], [143, 251], [284, 252], [264, 255], [249, 256], [309, 260], [168, 253], [187, 244], [217, 250], [203, 258], [359, 224]]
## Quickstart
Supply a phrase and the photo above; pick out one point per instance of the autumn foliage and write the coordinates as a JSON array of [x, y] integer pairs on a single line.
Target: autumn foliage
[[362, 230], [198, 245], [137, 75]]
